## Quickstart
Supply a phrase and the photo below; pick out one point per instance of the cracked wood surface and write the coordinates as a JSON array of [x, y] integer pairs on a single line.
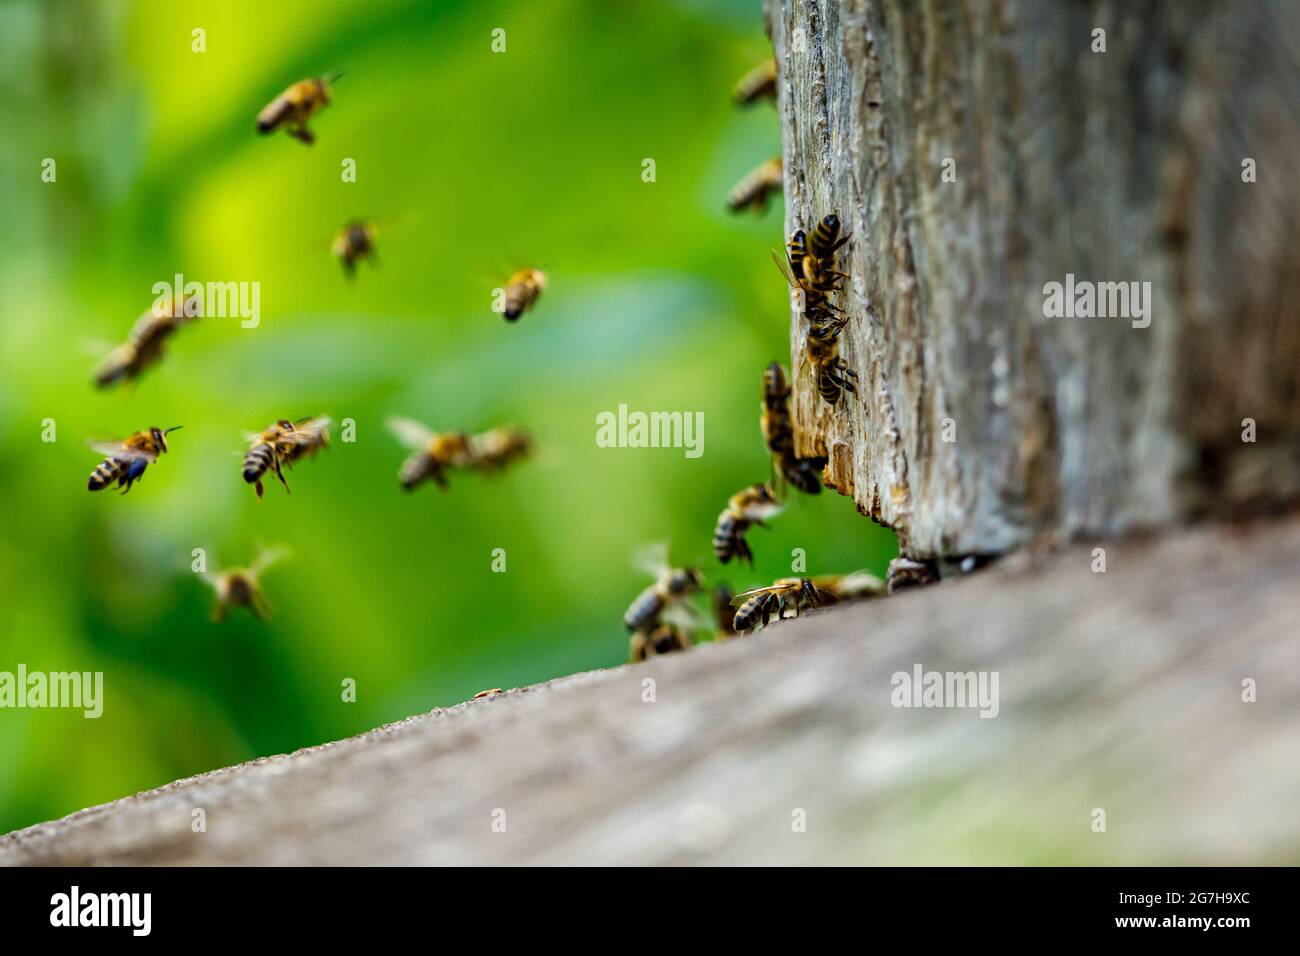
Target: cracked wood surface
[[1117, 166], [1119, 690]]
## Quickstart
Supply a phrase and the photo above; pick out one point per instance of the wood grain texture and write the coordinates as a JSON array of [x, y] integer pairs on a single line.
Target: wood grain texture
[[1118, 690], [1117, 166]]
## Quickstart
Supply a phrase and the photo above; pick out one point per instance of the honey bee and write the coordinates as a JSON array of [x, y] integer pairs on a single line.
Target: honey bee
[[761, 605], [521, 292], [241, 587], [826, 238], [833, 376], [752, 506], [662, 639], [281, 444], [296, 105], [355, 241], [144, 346], [673, 586], [759, 184], [858, 585], [128, 459], [759, 83], [724, 613], [433, 454], [497, 447], [778, 433], [807, 274]]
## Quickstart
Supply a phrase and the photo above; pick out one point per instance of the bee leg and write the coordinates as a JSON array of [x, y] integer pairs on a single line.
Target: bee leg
[[257, 604], [302, 134], [279, 473], [258, 485]]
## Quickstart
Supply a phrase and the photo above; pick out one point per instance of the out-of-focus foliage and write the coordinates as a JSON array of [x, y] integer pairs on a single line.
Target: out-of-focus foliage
[[474, 163]]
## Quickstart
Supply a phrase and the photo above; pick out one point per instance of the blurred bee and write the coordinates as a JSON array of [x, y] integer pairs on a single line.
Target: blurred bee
[[240, 587], [759, 83], [662, 639], [128, 459], [673, 586], [355, 241], [835, 588], [497, 447], [724, 613], [144, 346], [433, 454], [280, 445], [296, 105], [757, 186], [778, 433], [761, 605], [752, 506], [521, 292]]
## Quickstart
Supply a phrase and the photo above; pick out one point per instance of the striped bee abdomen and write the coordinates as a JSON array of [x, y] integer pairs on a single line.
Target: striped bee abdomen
[[729, 539], [257, 461], [106, 473], [645, 610], [417, 467], [749, 614]]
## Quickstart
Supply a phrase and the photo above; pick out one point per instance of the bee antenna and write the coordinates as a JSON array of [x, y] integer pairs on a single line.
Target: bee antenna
[[172, 429], [333, 76]]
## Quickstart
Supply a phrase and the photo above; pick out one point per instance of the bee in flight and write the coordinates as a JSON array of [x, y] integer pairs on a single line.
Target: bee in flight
[[662, 639], [761, 605], [355, 241], [128, 459], [759, 83], [520, 293], [757, 186], [144, 346], [433, 454], [673, 586], [752, 506], [296, 105], [778, 433], [498, 447], [281, 444], [724, 612], [241, 587]]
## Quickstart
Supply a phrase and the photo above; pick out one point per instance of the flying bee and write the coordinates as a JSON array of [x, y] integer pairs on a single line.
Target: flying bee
[[761, 605], [758, 184], [521, 292], [144, 345], [128, 459], [355, 241], [663, 639], [752, 506], [296, 105], [281, 444], [433, 454], [497, 447], [673, 586], [826, 238], [759, 83], [241, 587]]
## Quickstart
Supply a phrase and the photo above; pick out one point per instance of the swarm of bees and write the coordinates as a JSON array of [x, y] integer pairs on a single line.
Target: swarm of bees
[[434, 454]]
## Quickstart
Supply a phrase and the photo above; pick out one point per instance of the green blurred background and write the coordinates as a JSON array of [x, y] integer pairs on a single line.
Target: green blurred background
[[475, 163]]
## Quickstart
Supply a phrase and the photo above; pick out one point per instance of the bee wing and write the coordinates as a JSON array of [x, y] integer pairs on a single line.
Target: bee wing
[[744, 596], [267, 558], [681, 615], [783, 263], [409, 432], [651, 558], [313, 423]]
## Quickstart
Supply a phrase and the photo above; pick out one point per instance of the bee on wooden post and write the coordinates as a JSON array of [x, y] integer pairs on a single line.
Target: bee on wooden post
[[496, 448], [826, 239], [433, 454], [752, 506], [856, 586], [758, 185], [355, 241], [296, 105], [662, 639], [281, 444], [241, 587], [521, 292], [758, 84], [761, 605], [832, 374], [144, 345], [778, 433], [128, 459]]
